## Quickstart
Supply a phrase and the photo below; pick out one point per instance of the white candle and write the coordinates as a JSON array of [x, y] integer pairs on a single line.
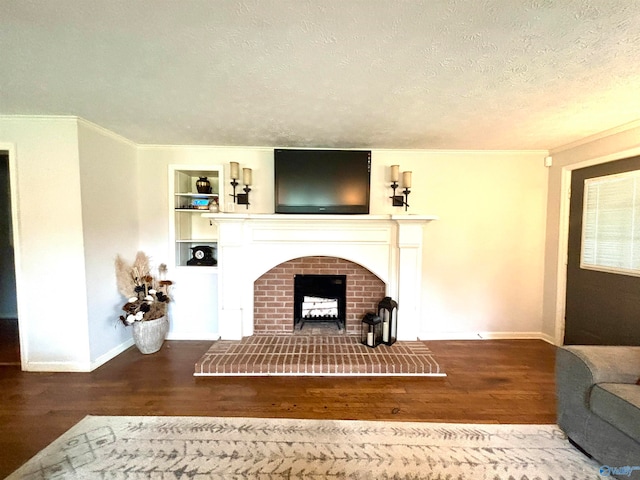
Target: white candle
[[235, 170], [406, 179], [395, 173], [246, 176], [385, 331], [370, 339]]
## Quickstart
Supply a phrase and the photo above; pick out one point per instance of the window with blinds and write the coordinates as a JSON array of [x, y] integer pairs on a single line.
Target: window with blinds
[[611, 224]]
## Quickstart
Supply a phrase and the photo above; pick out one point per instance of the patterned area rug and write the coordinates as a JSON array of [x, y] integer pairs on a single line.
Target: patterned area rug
[[227, 448], [315, 355]]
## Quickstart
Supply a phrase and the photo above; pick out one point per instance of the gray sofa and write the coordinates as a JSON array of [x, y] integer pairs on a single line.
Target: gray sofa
[[599, 403]]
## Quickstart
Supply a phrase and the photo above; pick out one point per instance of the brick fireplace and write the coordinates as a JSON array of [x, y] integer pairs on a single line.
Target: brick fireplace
[[253, 249], [274, 299]]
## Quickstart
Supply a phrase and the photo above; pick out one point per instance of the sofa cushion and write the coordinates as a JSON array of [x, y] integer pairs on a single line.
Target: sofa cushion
[[618, 404]]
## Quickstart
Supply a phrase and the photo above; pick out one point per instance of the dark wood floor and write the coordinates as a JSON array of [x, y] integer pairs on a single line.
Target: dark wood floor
[[9, 342], [490, 381]]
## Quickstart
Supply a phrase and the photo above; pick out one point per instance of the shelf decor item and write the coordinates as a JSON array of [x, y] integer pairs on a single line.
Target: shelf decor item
[[203, 185], [147, 301], [202, 255]]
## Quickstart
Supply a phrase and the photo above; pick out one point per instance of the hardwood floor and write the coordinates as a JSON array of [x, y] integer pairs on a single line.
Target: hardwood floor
[[9, 342], [489, 381]]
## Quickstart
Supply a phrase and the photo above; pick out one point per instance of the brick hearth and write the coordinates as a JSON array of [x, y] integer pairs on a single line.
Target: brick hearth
[[273, 292], [315, 355]]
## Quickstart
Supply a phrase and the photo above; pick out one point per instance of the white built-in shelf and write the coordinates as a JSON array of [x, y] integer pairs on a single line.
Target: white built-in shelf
[[187, 227], [197, 195], [202, 240], [192, 210], [199, 269]]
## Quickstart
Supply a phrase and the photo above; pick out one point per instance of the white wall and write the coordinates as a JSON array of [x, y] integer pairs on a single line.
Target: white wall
[[483, 260], [616, 144], [51, 280], [193, 310], [76, 200], [482, 264], [109, 189]]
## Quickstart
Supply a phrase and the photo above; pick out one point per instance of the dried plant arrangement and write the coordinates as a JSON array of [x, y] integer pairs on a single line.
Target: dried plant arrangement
[[147, 293]]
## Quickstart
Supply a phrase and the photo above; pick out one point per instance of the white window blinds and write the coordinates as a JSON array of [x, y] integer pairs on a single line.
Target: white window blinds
[[611, 224]]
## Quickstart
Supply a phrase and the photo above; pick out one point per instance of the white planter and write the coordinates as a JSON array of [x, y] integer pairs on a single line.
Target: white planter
[[149, 335]]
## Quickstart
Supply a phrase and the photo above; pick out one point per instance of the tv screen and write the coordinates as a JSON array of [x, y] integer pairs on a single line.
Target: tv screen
[[322, 181]]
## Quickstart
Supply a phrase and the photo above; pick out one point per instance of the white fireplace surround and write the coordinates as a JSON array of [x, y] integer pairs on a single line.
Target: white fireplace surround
[[249, 245]]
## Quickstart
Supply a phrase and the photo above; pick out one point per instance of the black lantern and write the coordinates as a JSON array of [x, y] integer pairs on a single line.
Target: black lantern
[[388, 314], [371, 330]]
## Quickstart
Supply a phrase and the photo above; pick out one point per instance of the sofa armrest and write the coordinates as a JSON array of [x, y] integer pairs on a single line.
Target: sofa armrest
[[609, 364], [578, 369]]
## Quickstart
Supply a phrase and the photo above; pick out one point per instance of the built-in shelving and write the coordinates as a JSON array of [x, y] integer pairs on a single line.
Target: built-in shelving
[[193, 307], [187, 228]]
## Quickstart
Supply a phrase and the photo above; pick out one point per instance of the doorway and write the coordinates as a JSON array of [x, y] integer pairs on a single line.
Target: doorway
[[9, 336], [602, 308]]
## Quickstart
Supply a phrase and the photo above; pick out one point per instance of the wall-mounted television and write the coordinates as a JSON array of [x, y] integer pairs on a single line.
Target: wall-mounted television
[[322, 181]]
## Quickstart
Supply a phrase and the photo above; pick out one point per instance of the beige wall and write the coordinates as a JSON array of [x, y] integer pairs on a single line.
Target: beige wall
[[51, 278], [483, 260], [109, 195], [486, 273], [608, 146], [71, 183]]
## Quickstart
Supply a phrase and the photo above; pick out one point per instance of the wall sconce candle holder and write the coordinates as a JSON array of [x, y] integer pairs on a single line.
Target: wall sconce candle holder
[[400, 200], [240, 198], [243, 198]]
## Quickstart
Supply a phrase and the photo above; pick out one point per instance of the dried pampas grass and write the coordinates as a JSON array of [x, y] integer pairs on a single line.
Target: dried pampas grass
[[128, 276], [141, 265], [124, 279]]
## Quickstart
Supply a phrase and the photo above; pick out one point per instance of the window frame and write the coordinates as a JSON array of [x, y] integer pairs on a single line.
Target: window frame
[[632, 210]]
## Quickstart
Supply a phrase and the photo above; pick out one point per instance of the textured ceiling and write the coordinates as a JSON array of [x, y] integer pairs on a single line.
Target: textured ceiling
[[436, 74]]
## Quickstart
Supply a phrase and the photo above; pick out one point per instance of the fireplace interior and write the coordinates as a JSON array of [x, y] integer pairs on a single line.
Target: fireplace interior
[[320, 298]]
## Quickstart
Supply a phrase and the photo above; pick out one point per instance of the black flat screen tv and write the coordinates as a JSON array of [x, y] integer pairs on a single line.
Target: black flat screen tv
[[322, 181]]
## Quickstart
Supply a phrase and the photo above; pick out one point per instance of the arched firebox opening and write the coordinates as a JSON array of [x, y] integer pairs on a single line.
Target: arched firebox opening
[[278, 309]]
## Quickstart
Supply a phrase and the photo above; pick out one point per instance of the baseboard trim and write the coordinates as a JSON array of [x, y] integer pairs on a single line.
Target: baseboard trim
[[192, 336], [111, 354], [77, 366], [56, 367], [486, 336], [449, 336]]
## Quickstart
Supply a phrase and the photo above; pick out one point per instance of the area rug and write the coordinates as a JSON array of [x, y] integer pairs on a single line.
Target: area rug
[[261, 355], [179, 448]]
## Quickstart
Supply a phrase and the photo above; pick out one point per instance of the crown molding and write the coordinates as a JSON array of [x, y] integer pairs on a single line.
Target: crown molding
[[104, 131], [423, 151], [73, 119], [596, 136], [58, 118]]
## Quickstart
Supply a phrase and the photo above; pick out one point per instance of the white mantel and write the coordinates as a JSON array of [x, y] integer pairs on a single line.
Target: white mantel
[[390, 246]]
